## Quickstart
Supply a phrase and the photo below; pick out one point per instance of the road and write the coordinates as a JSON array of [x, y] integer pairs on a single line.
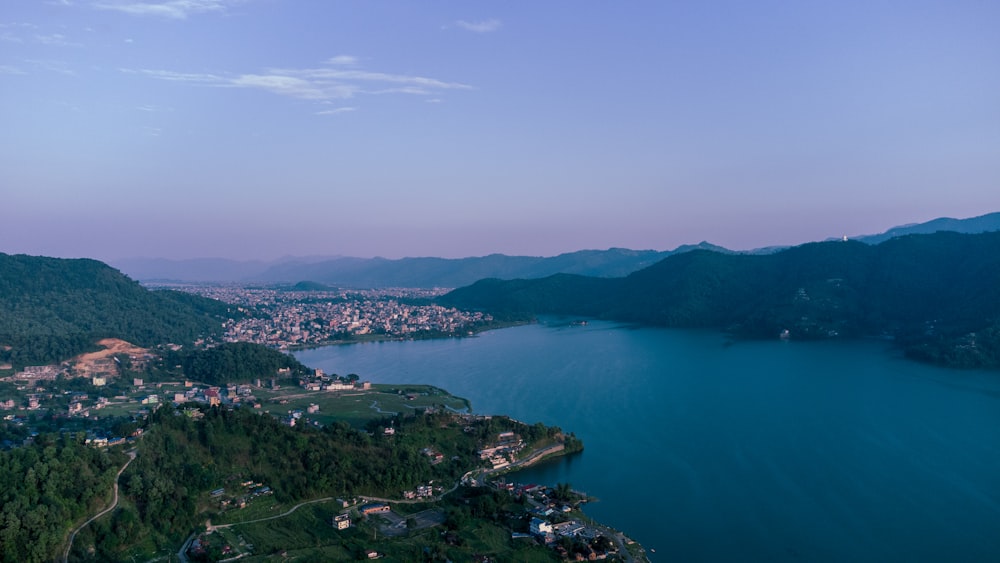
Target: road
[[114, 504], [535, 456], [211, 528]]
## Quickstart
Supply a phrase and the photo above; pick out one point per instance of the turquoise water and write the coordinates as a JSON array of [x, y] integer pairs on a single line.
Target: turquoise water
[[708, 450]]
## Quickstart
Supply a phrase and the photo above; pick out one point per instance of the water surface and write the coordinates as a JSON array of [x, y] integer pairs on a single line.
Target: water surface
[[709, 450]]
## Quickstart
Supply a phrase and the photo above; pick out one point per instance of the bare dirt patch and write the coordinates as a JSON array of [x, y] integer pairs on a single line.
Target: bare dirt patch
[[94, 362]]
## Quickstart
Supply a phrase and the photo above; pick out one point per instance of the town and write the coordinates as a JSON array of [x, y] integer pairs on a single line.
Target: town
[[288, 319]]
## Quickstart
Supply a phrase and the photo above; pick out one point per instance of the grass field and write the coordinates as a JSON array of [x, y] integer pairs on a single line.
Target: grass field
[[358, 407]]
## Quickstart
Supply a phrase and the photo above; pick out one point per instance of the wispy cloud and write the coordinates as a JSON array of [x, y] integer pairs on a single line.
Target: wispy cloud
[[321, 84], [56, 40], [210, 79], [284, 85], [8, 69], [9, 31], [171, 9], [485, 26], [344, 60], [58, 67], [335, 111]]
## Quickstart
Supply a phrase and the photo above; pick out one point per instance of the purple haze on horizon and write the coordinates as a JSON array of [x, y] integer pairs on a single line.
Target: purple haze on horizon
[[254, 129]]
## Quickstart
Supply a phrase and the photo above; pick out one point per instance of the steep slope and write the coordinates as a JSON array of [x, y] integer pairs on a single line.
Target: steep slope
[[938, 294], [52, 309]]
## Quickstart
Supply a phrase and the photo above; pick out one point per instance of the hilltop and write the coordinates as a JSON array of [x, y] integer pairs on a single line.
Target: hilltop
[[52, 309], [938, 295]]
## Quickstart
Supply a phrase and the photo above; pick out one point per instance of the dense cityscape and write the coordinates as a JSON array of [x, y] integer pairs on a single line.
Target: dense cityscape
[[288, 319]]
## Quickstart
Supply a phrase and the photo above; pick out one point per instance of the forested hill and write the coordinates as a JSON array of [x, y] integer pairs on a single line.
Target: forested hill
[[937, 294], [52, 309], [234, 362]]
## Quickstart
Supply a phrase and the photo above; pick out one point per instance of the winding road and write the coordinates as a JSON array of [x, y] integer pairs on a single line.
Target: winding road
[[114, 504], [483, 473]]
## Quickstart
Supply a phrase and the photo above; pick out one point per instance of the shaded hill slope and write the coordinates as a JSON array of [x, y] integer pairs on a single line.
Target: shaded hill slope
[[938, 295], [52, 309]]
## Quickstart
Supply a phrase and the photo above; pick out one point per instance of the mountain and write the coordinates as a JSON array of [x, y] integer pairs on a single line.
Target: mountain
[[204, 269], [972, 225], [938, 295], [52, 309], [446, 272], [195, 270]]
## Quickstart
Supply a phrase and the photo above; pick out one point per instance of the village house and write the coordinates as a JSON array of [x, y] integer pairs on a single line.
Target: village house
[[374, 508]]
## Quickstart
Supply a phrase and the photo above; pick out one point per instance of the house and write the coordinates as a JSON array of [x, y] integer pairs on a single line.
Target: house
[[374, 508], [212, 396], [342, 521], [540, 527]]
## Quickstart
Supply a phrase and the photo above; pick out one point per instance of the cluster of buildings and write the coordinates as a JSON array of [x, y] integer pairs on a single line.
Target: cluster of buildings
[[320, 381], [232, 394], [251, 490], [550, 523], [422, 491], [503, 451], [297, 318]]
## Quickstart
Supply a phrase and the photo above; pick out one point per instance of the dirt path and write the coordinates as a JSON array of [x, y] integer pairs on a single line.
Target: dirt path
[[114, 504], [211, 528]]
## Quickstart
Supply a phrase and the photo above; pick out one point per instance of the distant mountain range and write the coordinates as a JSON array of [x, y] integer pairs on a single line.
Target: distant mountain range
[[972, 225], [938, 295], [444, 272], [404, 272]]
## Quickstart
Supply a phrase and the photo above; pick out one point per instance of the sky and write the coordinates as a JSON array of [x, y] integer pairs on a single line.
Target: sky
[[254, 129]]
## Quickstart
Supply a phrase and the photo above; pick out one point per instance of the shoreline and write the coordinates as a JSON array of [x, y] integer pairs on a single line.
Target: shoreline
[[369, 338]]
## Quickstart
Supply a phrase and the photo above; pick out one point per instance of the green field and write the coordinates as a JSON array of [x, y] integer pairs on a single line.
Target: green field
[[359, 407]]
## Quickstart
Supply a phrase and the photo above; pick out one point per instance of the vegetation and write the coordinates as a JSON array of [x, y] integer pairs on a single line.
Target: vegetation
[[234, 362], [938, 295], [183, 455], [49, 487], [52, 309]]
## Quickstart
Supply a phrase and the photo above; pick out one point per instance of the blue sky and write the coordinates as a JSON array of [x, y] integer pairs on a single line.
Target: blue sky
[[262, 128]]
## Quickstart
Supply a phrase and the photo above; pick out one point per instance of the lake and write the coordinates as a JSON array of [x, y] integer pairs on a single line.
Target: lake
[[705, 449]]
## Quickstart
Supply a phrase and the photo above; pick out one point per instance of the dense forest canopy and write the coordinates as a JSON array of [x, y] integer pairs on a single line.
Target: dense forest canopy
[[52, 309], [182, 458], [47, 487], [234, 362], [937, 294]]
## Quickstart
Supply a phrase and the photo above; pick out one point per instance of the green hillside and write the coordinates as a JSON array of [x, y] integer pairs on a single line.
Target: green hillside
[[938, 295], [234, 362], [52, 309]]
